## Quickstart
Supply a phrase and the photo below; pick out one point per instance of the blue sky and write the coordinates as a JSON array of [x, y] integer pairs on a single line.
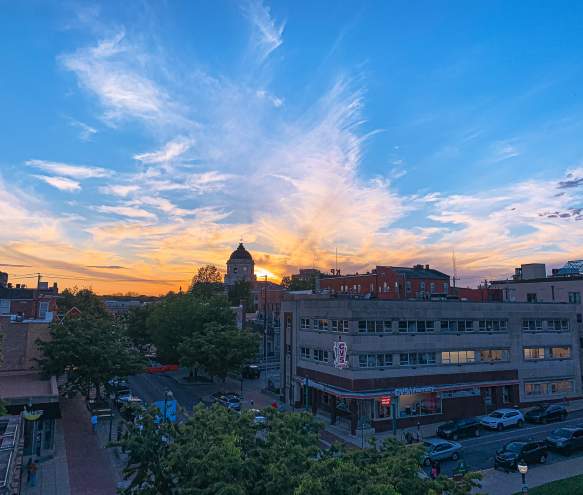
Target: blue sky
[[139, 140]]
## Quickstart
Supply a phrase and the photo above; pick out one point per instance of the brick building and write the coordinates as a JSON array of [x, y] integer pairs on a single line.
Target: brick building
[[23, 303], [391, 282]]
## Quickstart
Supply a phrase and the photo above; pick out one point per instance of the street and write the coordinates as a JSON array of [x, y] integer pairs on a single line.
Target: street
[[479, 452]]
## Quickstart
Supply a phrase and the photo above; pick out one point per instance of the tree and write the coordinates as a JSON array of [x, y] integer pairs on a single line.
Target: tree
[[239, 292], [90, 350], [291, 283], [136, 326], [217, 451], [85, 300], [180, 316], [207, 282]]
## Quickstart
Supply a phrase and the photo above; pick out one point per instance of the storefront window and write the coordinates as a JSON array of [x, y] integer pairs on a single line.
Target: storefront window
[[419, 404], [382, 412]]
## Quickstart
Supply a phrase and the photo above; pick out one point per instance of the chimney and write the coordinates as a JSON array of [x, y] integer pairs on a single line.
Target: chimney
[[18, 286], [427, 267]]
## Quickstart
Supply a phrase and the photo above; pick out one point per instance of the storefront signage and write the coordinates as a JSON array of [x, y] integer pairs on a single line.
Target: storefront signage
[[386, 401], [413, 390], [340, 355]]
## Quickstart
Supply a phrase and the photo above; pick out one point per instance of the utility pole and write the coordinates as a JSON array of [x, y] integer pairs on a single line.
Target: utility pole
[[265, 330]]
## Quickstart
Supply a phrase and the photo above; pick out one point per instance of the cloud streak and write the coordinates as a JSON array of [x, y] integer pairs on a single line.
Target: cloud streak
[[79, 172], [60, 183], [267, 34]]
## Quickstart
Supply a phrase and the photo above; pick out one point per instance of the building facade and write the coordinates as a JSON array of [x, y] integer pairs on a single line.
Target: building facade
[[240, 267], [23, 303], [424, 361], [391, 282]]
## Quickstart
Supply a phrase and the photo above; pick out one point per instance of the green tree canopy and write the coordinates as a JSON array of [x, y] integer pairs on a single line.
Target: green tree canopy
[[207, 282], [85, 300], [90, 350], [217, 451], [291, 283], [136, 325], [239, 292], [180, 316]]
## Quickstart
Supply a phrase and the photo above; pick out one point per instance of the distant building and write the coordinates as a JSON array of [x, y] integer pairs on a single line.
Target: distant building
[[564, 285], [121, 306], [22, 303], [3, 279], [267, 297], [391, 282], [240, 267]]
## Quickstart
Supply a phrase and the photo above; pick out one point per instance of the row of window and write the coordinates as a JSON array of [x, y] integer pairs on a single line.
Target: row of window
[[386, 287], [314, 354], [539, 325], [536, 353], [422, 326], [380, 360], [549, 388]]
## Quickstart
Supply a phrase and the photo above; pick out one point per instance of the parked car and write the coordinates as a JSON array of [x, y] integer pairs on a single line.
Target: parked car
[[251, 371], [258, 417], [503, 418], [228, 400], [118, 383], [440, 450], [566, 440], [459, 428], [127, 399], [546, 413], [512, 453], [156, 367]]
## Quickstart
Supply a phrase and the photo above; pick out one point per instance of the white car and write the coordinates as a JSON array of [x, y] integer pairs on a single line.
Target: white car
[[503, 418]]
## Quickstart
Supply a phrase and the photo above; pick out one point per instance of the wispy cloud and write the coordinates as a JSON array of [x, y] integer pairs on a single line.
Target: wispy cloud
[[61, 183], [108, 267], [169, 152], [120, 190], [267, 35], [126, 211], [78, 172], [86, 132], [503, 150]]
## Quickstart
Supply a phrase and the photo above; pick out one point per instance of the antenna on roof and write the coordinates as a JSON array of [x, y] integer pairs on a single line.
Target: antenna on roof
[[454, 267]]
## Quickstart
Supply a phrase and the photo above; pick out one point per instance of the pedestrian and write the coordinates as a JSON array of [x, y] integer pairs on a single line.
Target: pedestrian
[[274, 405], [28, 464], [433, 470], [32, 469], [93, 422]]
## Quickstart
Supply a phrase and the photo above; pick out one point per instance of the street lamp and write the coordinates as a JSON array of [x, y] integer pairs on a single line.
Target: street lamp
[[168, 395], [523, 469], [111, 399]]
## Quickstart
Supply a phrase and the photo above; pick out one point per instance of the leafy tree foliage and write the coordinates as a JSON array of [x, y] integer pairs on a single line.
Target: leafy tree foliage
[[91, 350], [219, 349], [180, 316], [291, 283], [136, 326], [239, 292], [217, 451], [207, 282], [85, 300]]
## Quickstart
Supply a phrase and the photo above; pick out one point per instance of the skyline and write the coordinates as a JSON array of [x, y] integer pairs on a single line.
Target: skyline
[[143, 141]]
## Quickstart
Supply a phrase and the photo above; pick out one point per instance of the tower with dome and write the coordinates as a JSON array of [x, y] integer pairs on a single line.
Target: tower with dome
[[240, 266]]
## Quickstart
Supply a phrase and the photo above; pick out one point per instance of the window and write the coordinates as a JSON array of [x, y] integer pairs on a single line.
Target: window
[[408, 286], [414, 358], [458, 357], [432, 288], [531, 389], [322, 324], [492, 325], [339, 325], [413, 326], [4, 306], [493, 355], [558, 325], [305, 353], [534, 353], [422, 285], [532, 325], [372, 326], [575, 297], [560, 352], [448, 325], [375, 360], [305, 323], [445, 288], [531, 298], [43, 309], [561, 387], [465, 326], [320, 355]]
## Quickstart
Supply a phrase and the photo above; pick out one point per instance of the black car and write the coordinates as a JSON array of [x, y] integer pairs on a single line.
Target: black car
[[530, 452], [566, 440], [251, 371], [544, 414], [459, 428]]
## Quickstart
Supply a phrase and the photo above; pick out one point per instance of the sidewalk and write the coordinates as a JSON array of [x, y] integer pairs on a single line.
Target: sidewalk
[[502, 483], [90, 469], [53, 474]]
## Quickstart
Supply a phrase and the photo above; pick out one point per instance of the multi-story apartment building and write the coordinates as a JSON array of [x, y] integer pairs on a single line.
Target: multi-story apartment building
[[396, 363], [391, 282], [530, 283]]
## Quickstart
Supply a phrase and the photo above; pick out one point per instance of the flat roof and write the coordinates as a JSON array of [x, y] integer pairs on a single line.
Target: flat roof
[[26, 384]]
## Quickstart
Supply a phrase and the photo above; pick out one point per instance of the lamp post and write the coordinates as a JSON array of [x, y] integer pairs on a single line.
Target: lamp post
[[167, 395], [111, 399], [523, 469]]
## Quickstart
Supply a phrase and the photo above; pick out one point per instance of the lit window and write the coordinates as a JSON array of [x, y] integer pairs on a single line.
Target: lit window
[[534, 353], [560, 352]]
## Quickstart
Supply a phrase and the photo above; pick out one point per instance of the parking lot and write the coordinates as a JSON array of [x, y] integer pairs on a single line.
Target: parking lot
[[479, 452]]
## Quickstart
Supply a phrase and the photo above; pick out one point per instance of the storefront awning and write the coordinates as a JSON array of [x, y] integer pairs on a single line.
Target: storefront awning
[[397, 391]]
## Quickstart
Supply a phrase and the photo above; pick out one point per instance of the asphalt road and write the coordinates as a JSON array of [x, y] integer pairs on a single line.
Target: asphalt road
[[479, 452]]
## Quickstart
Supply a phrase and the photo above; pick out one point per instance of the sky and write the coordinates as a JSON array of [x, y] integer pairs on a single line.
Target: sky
[[141, 140]]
